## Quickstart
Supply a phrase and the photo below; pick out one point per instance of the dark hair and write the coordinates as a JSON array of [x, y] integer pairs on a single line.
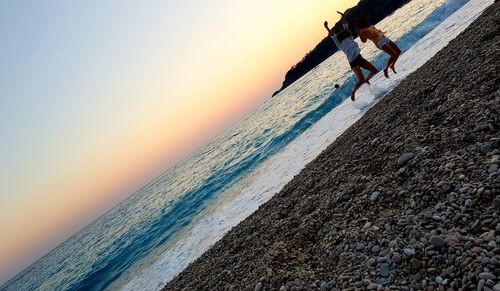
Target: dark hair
[[362, 21], [342, 34]]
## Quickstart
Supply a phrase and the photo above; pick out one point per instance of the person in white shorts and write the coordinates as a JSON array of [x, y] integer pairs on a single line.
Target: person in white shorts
[[367, 31]]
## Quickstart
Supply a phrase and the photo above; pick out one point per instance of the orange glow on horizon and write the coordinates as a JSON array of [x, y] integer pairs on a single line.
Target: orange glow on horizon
[[154, 117]]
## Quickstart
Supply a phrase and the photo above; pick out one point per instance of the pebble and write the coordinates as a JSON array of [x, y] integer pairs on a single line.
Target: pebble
[[487, 276], [486, 148], [396, 258], [371, 262], [415, 264], [480, 285], [437, 241], [409, 252], [374, 196], [372, 286], [258, 286], [384, 270], [405, 158], [439, 280]]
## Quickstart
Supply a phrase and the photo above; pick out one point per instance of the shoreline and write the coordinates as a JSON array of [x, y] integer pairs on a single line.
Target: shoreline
[[407, 196]]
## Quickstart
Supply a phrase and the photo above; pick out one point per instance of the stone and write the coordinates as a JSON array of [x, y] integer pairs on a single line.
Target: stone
[[396, 258], [371, 262], [486, 148], [480, 285], [409, 252], [437, 241], [415, 264], [374, 196], [439, 280], [384, 270], [405, 158], [258, 286], [487, 276]]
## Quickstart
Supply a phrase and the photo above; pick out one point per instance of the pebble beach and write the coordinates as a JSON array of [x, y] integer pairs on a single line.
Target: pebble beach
[[407, 198]]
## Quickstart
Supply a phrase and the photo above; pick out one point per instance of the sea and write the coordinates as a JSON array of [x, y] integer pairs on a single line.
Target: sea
[[149, 238]]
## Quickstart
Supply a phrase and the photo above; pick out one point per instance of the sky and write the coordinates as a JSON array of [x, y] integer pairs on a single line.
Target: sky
[[99, 97]]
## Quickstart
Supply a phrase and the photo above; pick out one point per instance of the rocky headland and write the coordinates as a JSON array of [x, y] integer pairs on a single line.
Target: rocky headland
[[408, 198]]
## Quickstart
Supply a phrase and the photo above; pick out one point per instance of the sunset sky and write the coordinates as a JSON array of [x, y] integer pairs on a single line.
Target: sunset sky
[[99, 97]]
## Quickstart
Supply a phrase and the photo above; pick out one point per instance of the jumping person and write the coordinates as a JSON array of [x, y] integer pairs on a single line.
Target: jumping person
[[367, 31], [345, 42]]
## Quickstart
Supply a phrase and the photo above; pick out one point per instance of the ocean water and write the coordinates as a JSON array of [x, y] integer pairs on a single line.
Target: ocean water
[[149, 238]]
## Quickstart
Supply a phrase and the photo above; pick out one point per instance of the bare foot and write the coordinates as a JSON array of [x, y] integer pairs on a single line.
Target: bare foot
[[352, 96], [392, 68], [386, 72]]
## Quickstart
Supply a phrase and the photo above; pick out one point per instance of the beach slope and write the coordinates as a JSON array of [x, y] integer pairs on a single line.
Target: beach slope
[[407, 196]]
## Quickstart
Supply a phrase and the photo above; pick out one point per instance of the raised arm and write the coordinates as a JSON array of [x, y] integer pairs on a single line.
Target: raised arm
[[344, 22], [332, 35], [326, 26]]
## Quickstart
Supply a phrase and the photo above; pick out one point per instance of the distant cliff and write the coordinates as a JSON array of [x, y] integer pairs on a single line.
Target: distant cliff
[[375, 9]]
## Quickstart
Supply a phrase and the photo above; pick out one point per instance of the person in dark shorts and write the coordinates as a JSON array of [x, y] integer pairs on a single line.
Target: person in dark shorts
[[345, 42]]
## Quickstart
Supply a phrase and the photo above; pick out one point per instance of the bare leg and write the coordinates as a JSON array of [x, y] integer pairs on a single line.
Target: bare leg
[[393, 57], [361, 80], [368, 66], [397, 50]]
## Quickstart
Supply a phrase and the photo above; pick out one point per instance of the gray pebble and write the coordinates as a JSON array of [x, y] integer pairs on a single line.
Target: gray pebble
[[437, 241], [409, 252], [396, 258], [405, 158], [487, 276], [384, 270], [374, 196]]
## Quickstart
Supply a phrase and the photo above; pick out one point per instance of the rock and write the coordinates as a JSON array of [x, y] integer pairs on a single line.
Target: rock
[[415, 264], [409, 252], [437, 241], [496, 287], [493, 168], [384, 270], [372, 286], [439, 280], [405, 158], [396, 258], [480, 285], [258, 286], [375, 141], [486, 148], [374, 196], [371, 262], [487, 276]]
